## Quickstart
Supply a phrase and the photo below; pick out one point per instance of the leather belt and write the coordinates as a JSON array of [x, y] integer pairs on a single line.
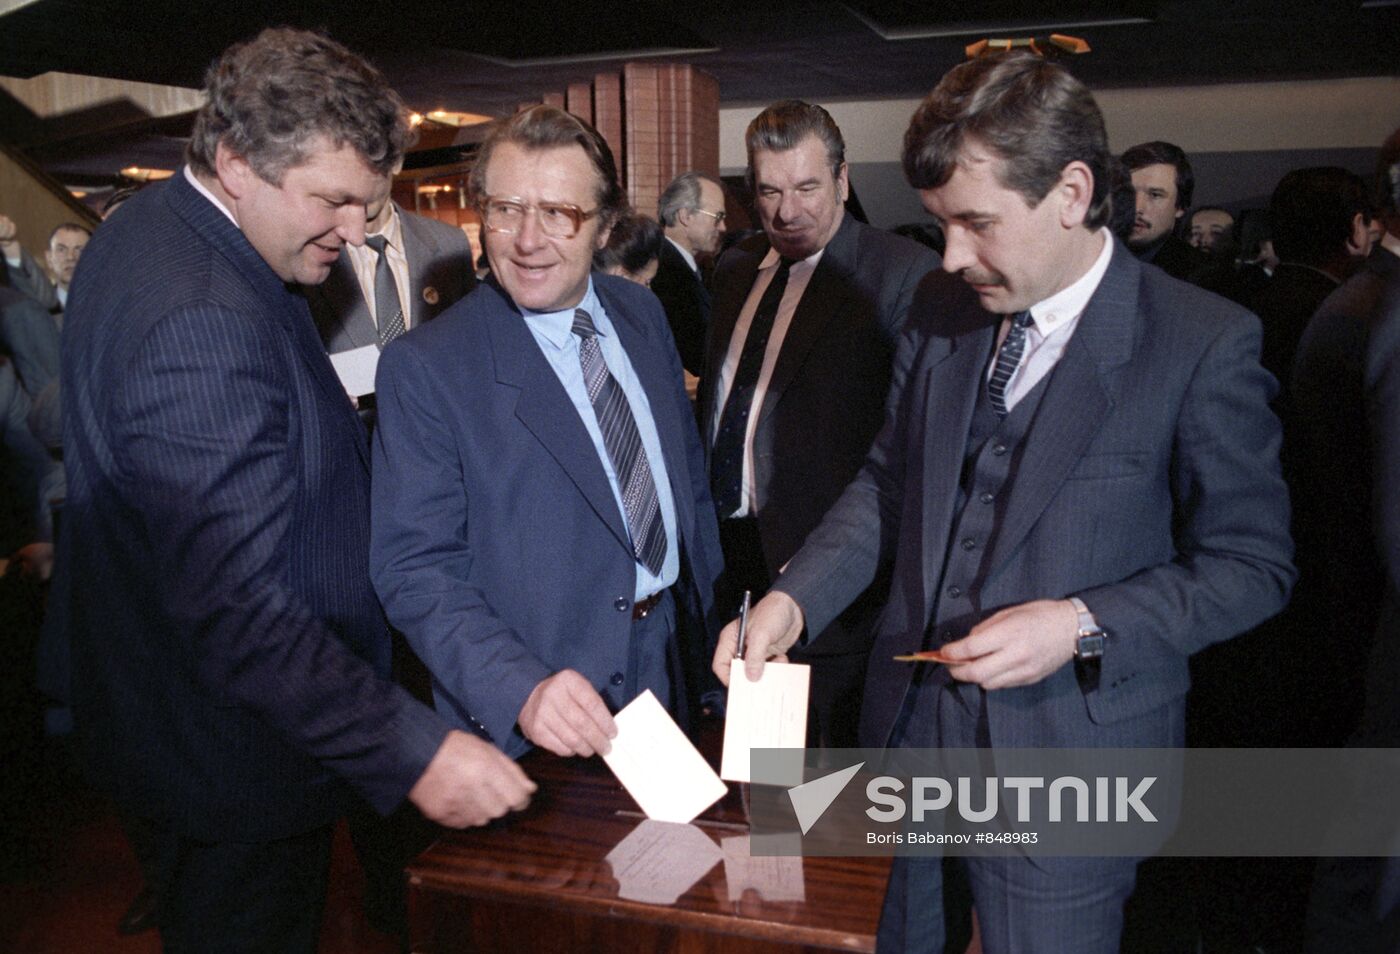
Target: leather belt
[[641, 608]]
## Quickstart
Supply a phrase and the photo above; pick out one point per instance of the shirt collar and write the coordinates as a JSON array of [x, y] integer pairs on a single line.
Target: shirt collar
[[685, 254], [393, 229], [771, 259], [203, 190], [1069, 303], [557, 327], [1391, 243]]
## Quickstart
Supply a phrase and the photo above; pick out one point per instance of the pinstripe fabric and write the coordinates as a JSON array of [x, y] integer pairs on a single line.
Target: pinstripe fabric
[[226, 636]]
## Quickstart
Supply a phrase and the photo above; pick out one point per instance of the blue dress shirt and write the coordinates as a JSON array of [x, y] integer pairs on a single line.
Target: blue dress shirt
[[554, 334]]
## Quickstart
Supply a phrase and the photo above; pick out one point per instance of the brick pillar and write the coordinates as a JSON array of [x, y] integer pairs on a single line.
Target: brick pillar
[[671, 125], [607, 117], [579, 97]]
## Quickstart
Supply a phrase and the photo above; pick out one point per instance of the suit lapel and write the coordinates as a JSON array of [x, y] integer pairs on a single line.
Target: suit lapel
[[545, 410], [1078, 397], [286, 306], [415, 249], [821, 299]]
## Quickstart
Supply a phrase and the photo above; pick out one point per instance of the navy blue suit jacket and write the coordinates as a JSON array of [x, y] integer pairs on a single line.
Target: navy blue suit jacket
[[228, 649], [498, 547], [1148, 485]]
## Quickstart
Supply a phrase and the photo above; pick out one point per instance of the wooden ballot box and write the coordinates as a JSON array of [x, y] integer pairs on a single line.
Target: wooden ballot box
[[583, 870]]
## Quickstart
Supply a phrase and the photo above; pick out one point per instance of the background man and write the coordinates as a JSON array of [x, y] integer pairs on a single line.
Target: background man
[[1346, 466], [1321, 226], [1164, 183], [228, 651], [409, 270], [541, 524], [805, 322], [1075, 443], [50, 289], [691, 211], [1210, 229]]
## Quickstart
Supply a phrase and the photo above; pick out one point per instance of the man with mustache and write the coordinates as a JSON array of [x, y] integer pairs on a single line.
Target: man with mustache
[[1076, 488]]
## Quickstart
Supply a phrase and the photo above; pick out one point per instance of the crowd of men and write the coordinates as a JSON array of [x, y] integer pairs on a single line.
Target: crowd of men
[[1048, 448]]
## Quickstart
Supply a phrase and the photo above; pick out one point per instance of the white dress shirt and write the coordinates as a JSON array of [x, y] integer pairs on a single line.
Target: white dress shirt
[[365, 260], [1052, 325]]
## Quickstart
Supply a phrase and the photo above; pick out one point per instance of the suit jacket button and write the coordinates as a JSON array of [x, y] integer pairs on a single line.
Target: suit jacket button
[[969, 543], [621, 604], [998, 449], [987, 497], [955, 591], [615, 679]]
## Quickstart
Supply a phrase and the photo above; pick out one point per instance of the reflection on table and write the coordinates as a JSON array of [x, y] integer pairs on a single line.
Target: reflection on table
[[583, 870]]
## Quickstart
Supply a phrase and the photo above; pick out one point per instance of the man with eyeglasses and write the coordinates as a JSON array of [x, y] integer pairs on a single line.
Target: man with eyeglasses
[[541, 519], [691, 211], [801, 344]]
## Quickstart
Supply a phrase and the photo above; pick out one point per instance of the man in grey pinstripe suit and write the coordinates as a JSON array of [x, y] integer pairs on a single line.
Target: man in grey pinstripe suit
[[1077, 487], [229, 655]]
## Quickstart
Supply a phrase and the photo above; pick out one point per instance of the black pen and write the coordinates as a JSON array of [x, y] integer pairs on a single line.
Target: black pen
[[743, 623]]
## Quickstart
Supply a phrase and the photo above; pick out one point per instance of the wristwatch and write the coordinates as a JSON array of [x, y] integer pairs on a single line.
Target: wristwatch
[[1091, 639]]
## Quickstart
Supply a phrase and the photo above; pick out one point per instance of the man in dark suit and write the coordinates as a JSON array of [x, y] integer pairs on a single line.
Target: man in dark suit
[[1163, 182], [796, 390], [1077, 487], [541, 523], [228, 651], [427, 268], [691, 210], [31, 337], [1346, 419], [1321, 220]]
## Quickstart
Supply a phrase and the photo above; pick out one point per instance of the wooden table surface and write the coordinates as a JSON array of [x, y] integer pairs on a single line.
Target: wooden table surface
[[550, 861]]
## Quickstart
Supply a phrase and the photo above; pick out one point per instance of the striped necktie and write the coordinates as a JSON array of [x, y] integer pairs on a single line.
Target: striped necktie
[[624, 444], [1008, 359], [388, 311]]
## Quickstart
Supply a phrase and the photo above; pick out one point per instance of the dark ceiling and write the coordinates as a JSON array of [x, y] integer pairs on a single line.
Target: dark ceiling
[[488, 57]]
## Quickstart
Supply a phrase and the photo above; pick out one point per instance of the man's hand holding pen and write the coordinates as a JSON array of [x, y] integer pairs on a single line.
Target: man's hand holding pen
[[770, 628]]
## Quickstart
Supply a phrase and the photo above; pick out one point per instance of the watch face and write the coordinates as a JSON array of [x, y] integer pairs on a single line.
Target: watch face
[[1089, 646]]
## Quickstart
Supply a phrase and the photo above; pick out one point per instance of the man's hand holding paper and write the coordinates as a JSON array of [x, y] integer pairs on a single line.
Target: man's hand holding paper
[[774, 625]]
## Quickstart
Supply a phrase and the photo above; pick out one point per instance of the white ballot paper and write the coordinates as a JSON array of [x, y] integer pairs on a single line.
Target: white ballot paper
[[774, 878], [356, 369], [660, 861], [658, 766], [768, 714]]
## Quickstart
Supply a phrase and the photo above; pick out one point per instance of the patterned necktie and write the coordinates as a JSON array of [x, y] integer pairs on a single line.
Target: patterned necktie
[[624, 445], [1008, 358], [727, 459], [388, 311]]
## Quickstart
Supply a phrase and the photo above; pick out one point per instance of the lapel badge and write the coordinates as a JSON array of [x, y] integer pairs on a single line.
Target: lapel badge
[[430, 295]]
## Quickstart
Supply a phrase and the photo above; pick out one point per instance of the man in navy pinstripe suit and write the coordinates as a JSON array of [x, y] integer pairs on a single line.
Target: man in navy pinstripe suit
[[1077, 487], [229, 653]]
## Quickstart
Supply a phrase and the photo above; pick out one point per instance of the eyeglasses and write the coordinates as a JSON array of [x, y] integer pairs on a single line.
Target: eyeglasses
[[557, 219], [717, 216]]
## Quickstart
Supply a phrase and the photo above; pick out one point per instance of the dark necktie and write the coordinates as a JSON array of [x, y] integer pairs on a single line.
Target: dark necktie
[[727, 459], [1008, 358], [388, 312], [629, 459]]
